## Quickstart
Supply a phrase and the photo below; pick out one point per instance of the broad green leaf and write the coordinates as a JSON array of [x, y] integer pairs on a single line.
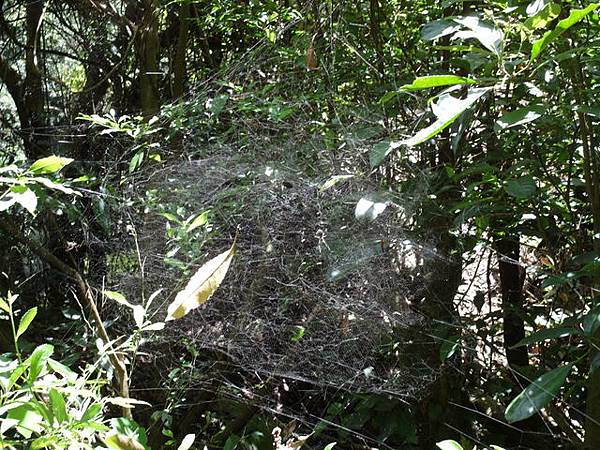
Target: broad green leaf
[[333, 181], [380, 151], [129, 434], [449, 445], [29, 419], [548, 333], [57, 401], [438, 28], [232, 442], [537, 395], [520, 188], [136, 161], [435, 81], [490, 37], [21, 195], [447, 109], [38, 360], [518, 117], [187, 442], [541, 20], [50, 164], [202, 285], [26, 321], [591, 321], [576, 16]]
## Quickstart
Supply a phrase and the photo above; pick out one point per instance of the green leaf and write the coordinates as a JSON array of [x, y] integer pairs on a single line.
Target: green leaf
[[591, 321], [449, 445], [438, 28], [435, 81], [380, 151], [117, 297], [541, 20], [576, 16], [127, 435], [91, 412], [518, 117], [202, 285], [199, 220], [57, 401], [26, 321], [537, 394], [520, 188], [548, 333], [21, 195], [4, 306], [449, 347], [330, 446], [62, 370], [447, 109], [29, 419], [50, 164], [37, 361], [136, 161], [593, 111], [490, 37], [232, 442]]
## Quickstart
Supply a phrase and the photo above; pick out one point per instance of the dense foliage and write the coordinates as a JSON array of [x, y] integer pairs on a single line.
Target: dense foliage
[[469, 128]]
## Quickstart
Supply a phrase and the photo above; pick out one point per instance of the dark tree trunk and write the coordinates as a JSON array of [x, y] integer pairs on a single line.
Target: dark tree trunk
[[513, 312]]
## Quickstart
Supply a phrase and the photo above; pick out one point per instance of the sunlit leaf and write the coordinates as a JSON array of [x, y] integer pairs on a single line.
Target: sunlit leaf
[[50, 164], [518, 117], [449, 445], [26, 321], [117, 297], [57, 402], [447, 109], [38, 360], [333, 181], [542, 18], [436, 81], [490, 37], [537, 395], [562, 26], [199, 220], [202, 285], [438, 28], [449, 347], [187, 442]]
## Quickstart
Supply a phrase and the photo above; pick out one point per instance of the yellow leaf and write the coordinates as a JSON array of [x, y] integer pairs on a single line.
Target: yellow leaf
[[201, 286]]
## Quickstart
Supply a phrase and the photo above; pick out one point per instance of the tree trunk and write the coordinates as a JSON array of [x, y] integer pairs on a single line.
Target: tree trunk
[[148, 48], [179, 63], [511, 285]]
